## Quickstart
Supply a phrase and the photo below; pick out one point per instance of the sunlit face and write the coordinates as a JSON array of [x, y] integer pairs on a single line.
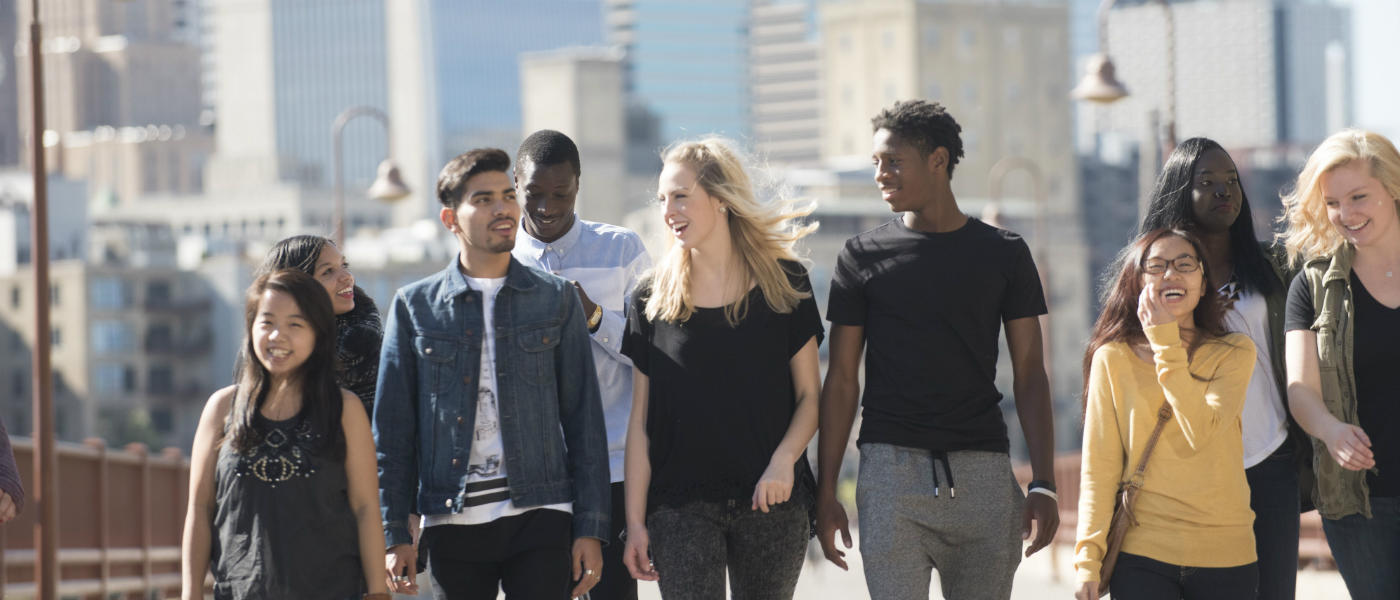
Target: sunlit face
[[486, 218], [903, 176], [333, 273], [1215, 192], [282, 337], [549, 193], [691, 215], [1358, 205], [1172, 271]]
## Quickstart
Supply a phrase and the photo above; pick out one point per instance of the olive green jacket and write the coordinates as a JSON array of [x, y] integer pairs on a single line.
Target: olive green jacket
[[1338, 492]]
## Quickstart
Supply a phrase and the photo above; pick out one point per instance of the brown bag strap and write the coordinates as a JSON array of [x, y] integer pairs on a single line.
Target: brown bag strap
[[1164, 414]]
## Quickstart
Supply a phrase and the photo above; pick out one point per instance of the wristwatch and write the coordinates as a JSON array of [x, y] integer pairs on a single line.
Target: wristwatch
[[595, 319]]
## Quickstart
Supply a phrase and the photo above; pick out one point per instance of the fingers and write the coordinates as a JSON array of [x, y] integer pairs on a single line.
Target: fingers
[[399, 568], [641, 567], [7, 507], [577, 566]]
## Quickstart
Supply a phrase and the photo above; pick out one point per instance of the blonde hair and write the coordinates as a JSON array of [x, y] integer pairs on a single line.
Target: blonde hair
[[762, 233], [1309, 234]]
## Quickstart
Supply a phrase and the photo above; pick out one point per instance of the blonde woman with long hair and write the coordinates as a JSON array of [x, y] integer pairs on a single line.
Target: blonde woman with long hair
[[723, 337], [1342, 321]]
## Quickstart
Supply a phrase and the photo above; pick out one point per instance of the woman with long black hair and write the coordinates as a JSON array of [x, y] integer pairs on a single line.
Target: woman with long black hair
[[1199, 191], [283, 498]]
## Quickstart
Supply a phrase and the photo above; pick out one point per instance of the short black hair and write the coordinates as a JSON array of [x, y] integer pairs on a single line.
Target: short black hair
[[548, 147], [926, 125], [452, 181]]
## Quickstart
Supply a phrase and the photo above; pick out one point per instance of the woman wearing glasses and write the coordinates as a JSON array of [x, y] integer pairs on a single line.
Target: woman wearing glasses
[[1160, 346], [1199, 190]]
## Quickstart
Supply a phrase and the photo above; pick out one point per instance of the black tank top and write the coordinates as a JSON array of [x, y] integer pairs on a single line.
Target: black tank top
[[282, 520]]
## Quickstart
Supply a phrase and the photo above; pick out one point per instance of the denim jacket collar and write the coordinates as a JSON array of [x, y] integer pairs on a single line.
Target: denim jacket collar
[[455, 281]]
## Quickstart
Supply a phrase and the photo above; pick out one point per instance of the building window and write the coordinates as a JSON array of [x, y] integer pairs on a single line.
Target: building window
[[109, 379], [14, 297], [160, 380], [17, 383], [112, 336], [108, 293], [128, 379], [54, 295], [158, 292], [931, 36], [56, 337]]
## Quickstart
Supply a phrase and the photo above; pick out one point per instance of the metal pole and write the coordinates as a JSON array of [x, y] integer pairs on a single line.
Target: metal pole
[[1169, 133], [45, 531], [337, 159]]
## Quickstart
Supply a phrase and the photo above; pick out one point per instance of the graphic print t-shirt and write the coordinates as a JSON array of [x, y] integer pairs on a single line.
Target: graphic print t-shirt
[[487, 487]]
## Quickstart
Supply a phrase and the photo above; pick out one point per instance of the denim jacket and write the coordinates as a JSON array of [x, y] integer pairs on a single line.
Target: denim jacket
[[551, 416]]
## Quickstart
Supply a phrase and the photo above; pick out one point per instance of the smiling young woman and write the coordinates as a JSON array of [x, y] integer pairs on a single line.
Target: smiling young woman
[[1161, 344], [1343, 320]]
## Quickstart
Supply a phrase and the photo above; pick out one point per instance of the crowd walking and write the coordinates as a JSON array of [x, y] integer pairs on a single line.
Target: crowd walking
[[558, 414]]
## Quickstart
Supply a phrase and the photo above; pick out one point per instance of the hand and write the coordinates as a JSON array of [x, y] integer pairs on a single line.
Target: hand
[[831, 516], [402, 561], [1088, 590], [587, 564], [637, 555], [774, 487], [1150, 309], [1045, 511], [7, 508], [1350, 447], [588, 305]]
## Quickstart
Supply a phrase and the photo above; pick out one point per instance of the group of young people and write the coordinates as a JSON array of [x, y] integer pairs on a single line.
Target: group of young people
[[1272, 366], [553, 415]]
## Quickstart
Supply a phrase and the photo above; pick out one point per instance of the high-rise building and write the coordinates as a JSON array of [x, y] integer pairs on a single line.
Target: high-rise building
[[11, 143], [687, 63], [454, 81], [1000, 69], [785, 82], [116, 64], [578, 91], [284, 71], [1249, 73]]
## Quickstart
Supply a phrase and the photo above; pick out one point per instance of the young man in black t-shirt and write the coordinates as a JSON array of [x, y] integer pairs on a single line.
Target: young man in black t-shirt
[[929, 291]]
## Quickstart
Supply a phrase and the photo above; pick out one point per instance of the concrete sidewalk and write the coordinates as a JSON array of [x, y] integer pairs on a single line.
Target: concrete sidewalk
[[1035, 580]]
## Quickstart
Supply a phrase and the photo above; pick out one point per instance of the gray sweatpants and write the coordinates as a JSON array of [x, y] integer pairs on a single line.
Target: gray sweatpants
[[970, 531]]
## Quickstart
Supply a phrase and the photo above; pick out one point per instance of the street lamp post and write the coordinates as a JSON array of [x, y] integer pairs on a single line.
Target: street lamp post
[[388, 184], [45, 526], [1100, 83], [996, 177]]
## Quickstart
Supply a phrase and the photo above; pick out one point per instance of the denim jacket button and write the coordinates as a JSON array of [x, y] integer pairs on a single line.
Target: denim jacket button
[[459, 420], [448, 503], [455, 461], [545, 340], [467, 380], [427, 351]]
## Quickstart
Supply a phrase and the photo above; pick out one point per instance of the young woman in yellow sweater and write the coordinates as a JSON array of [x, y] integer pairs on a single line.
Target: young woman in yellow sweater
[[1161, 338]]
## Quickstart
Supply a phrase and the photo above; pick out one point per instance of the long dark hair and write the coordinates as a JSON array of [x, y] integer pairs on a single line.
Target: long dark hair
[[1170, 208], [321, 400], [1118, 321], [297, 252]]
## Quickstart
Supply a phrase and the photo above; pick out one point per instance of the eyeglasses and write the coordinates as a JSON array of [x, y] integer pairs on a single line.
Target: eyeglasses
[[1184, 264]]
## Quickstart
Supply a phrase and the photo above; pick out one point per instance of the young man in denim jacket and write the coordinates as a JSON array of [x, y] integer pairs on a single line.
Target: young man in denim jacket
[[487, 419]]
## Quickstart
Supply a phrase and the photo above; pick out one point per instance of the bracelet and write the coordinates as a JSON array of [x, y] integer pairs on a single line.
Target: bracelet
[[596, 318], [1040, 483], [1046, 492]]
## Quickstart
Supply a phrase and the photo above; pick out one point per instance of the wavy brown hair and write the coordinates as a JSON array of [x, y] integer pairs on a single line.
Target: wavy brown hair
[[1118, 321]]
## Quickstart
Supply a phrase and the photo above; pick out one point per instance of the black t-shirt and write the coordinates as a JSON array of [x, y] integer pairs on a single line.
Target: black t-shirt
[[721, 398], [1374, 357], [932, 305]]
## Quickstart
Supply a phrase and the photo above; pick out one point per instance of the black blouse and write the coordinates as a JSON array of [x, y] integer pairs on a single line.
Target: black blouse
[[721, 397]]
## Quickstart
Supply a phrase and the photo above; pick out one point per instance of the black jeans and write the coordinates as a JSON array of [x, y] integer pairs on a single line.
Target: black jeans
[[526, 555], [1141, 578], [693, 544], [1273, 495], [617, 583]]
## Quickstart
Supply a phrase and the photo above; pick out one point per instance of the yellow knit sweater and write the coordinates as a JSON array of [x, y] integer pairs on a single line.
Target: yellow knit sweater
[[1193, 509]]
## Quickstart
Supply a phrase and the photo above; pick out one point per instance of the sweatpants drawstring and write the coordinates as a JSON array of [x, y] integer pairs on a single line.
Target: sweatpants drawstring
[[947, 470]]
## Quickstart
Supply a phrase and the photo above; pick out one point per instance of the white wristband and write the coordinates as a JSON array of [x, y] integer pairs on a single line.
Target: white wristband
[[1041, 490]]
